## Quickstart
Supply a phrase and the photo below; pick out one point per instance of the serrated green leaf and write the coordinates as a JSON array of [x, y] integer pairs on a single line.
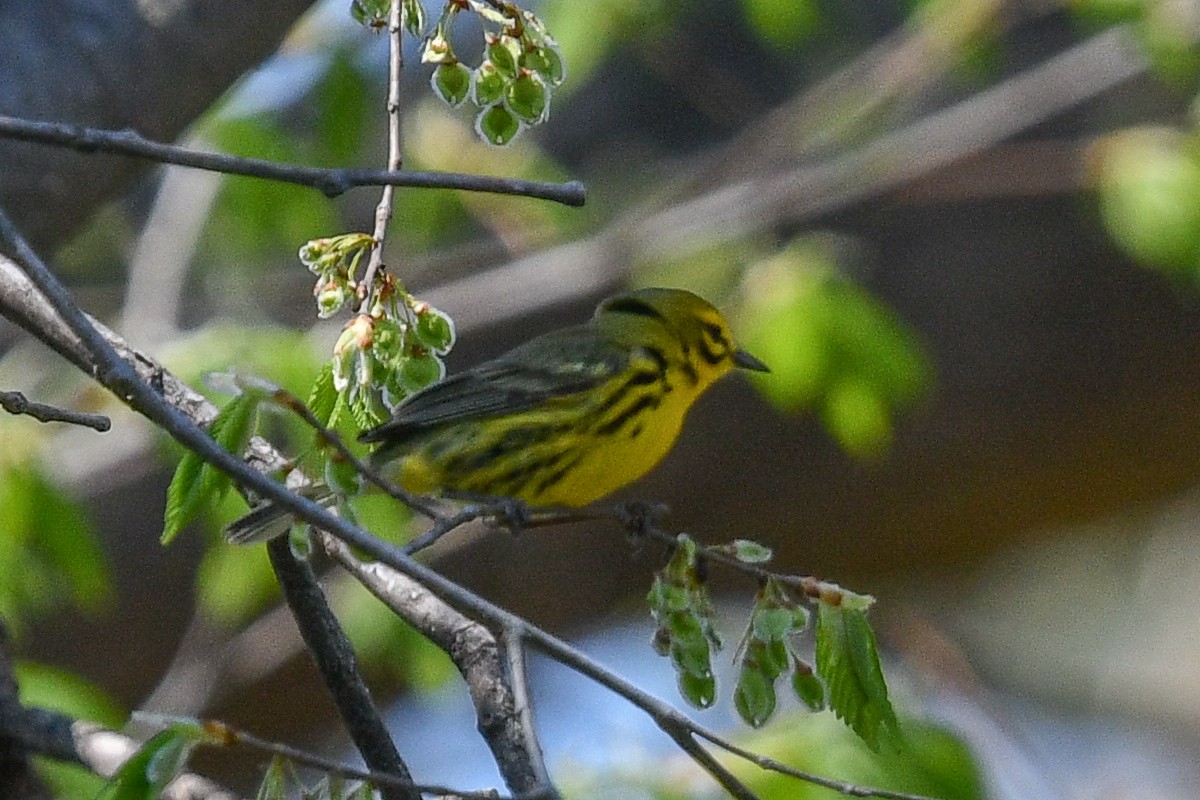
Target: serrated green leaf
[[195, 484], [754, 698], [848, 662], [366, 410], [158, 762], [323, 397]]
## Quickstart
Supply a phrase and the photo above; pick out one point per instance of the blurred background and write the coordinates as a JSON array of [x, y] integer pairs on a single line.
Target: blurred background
[[966, 237]]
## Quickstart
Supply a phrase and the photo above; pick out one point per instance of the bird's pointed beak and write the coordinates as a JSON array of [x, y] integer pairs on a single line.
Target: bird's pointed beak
[[746, 361]]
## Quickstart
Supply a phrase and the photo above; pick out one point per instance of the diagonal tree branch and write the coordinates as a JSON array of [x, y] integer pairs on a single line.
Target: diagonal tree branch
[[339, 667], [503, 720]]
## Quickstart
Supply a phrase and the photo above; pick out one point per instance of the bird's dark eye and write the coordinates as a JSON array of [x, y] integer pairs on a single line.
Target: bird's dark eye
[[715, 334]]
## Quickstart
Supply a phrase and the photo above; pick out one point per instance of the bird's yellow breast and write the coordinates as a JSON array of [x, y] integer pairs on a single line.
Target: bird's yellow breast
[[559, 454]]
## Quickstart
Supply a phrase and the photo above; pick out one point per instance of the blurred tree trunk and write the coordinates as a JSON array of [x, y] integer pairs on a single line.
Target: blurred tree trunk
[[150, 65]]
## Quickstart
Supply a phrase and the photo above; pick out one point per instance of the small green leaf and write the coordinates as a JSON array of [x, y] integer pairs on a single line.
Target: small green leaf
[[692, 656], [502, 53], [848, 661], [808, 687], [341, 476], [417, 372], [413, 17], [754, 697], [452, 83], [274, 782], [435, 330], [686, 625], [772, 658], [671, 597], [158, 762], [528, 98], [772, 624], [323, 397], [699, 690], [497, 125], [487, 85], [545, 61], [195, 484], [749, 551]]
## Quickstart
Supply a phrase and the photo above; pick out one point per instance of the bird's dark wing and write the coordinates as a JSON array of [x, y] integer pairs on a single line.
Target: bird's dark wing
[[557, 364]]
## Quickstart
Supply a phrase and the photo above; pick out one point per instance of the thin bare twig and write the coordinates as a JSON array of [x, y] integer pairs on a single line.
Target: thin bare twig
[[332, 182], [297, 406], [15, 403], [328, 765], [383, 211]]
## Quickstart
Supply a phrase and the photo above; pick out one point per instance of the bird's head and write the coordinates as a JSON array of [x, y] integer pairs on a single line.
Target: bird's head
[[685, 328]]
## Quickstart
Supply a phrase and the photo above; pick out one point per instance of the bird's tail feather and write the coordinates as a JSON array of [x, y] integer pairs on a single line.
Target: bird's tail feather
[[268, 520]]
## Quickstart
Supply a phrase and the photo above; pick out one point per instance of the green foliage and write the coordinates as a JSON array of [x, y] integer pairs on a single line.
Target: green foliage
[[1149, 181], [830, 346], [521, 67], [766, 651], [158, 762], [847, 678], [49, 553], [451, 83], [43, 686], [197, 484], [682, 609], [234, 583], [782, 23], [848, 661], [497, 125]]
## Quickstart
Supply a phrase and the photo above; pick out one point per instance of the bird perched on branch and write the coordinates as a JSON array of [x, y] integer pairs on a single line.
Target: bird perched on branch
[[562, 420]]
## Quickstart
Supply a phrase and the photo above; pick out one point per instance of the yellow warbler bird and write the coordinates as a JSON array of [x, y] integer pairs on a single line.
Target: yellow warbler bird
[[562, 420]]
